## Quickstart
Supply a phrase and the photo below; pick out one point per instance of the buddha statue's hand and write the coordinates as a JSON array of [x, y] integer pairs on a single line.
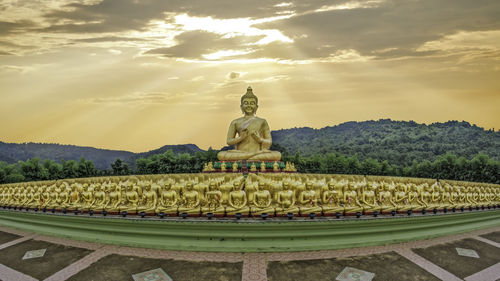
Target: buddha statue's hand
[[243, 134], [256, 137]]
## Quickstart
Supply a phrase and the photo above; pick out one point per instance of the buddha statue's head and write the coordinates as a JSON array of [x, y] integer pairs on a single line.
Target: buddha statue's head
[[249, 102]]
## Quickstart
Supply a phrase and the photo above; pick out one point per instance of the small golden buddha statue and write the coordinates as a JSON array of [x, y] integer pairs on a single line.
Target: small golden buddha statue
[[308, 200], [286, 201], [351, 200], [64, 197], [131, 200], [168, 202], [190, 201], [276, 167], [237, 202], [223, 167], [235, 167], [369, 198], [150, 199], [115, 197], [263, 167], [261, 201], [210, 167], [250, 188], [253, 168], [331, 200], [386, 198], [254, 136], [75, 198]]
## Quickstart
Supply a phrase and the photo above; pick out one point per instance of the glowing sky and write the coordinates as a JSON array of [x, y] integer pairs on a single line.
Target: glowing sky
[[137, 75]]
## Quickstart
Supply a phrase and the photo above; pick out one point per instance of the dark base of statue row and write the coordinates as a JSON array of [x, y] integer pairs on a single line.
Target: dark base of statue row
[[259, 215]]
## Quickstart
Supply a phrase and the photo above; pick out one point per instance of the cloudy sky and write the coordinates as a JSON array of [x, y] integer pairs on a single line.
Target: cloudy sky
[[136, 75]]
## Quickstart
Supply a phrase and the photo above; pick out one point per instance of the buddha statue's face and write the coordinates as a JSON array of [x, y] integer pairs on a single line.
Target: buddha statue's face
[[249, 106]]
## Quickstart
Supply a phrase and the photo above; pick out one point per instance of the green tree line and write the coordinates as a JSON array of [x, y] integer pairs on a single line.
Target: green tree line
[[479, 168]]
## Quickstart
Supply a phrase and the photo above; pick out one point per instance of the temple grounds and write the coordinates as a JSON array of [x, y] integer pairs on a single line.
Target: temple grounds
[[432, 259]]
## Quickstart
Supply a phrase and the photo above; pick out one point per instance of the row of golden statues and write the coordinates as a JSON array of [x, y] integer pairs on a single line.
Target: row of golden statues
[[229, 194], [252, 167]]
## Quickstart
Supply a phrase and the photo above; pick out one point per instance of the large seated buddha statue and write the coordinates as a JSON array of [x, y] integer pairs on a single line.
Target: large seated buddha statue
[[249, 134]]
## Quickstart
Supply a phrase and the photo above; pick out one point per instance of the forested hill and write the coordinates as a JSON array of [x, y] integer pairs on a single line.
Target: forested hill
[[102, 158], [399, 142]]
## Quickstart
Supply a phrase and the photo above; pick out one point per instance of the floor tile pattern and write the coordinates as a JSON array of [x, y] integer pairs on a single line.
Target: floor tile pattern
[[354, 274], [34, 254], [152, 275], [467, 253]]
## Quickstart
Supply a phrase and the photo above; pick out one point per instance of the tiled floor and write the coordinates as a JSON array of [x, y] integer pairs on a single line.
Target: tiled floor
[[429, 257]]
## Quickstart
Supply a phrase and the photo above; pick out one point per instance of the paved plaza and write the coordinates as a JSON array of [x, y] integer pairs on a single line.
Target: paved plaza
[[468, 256]]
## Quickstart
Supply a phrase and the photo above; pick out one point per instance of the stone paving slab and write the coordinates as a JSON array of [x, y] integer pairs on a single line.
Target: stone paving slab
[[446, 256], [56, 258], [428, 266], [491, 273], [254, 267], [118, 267], [9, 274], [385, 266], [493, 236], [7, 237], [79, 265]]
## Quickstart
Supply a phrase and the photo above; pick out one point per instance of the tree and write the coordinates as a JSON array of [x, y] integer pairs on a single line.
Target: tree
[[86, 168], [55, 170], [120, 168], [70, 169], [32, 170]]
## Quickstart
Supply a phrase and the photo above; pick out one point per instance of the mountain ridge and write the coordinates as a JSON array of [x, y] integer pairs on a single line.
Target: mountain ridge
[[399, 142]]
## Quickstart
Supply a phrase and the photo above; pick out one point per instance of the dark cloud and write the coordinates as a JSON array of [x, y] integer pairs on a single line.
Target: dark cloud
[[2, 53], [403, 25], [7, 28], [122, 15], [110, 39], [193, 44]]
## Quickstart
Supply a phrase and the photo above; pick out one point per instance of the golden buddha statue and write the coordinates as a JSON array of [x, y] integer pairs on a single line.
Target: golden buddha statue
[[386, 198], [262, 201], [425, 196], [276, 167], [168, 202], [64, 197], [254, 136], [331, 198], [99, 199], [202, 189], [369, 198], [115, 197], [351, 200], [46, 198], [253, 168], [75, 198], [286, 201], [37, 198], [131, 200], [237, 202], [263, 167], [149, 200], [190, 201], [250, 188], [308, 200]]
